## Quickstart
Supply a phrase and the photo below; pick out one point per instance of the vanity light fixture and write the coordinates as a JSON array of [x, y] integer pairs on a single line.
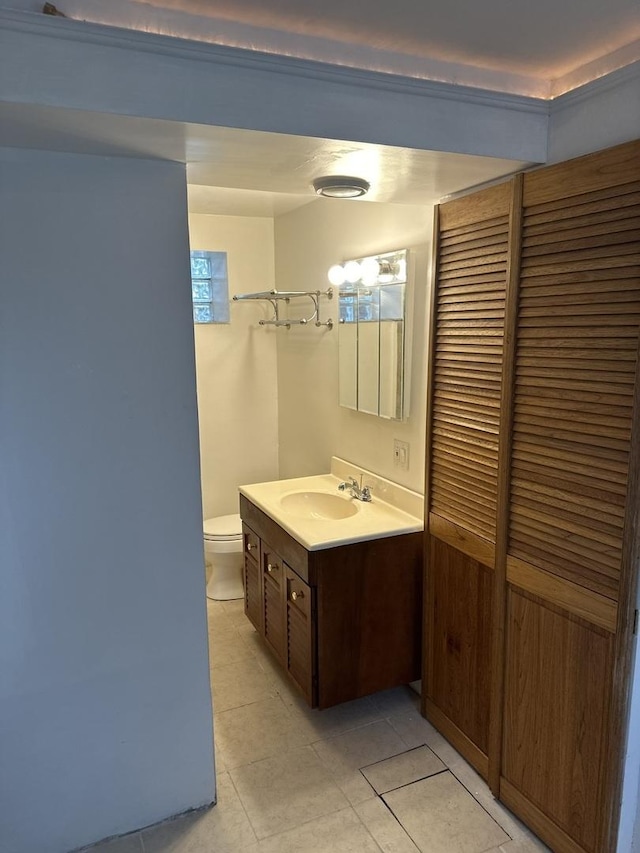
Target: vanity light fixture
[[390, 268], [340, 186]]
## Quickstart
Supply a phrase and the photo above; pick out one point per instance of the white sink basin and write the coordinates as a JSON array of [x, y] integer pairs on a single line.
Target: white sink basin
[[318, 515], [319, 505]]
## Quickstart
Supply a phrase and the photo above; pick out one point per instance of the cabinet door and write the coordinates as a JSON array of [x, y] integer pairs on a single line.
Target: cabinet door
[[569, 561], [252, 578], [534, 477], [301, 635], [466, 381], [274, 585]]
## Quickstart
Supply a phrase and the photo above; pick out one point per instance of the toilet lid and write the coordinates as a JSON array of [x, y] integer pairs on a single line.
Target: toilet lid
[[223, 527]]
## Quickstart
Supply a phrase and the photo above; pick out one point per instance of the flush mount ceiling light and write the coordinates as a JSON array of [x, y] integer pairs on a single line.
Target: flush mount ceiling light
[[340, 186]]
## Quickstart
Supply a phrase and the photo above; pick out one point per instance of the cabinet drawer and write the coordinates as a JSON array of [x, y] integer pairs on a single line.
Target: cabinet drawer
[[298, 594], [273, 567], [251, 543]]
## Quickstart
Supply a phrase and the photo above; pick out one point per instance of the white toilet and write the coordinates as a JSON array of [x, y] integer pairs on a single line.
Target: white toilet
[[223, 550]]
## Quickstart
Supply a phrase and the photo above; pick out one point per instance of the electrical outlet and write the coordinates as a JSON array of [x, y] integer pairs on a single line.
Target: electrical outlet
[[401, 454]]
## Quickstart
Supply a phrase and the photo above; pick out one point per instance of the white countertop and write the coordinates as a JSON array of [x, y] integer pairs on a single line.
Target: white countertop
[[376, 519]]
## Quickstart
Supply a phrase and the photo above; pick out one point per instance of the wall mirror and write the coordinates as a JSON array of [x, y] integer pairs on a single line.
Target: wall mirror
[[372, 335]]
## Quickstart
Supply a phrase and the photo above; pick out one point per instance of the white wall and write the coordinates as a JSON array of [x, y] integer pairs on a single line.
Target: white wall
[[313, 426], [236, 367], [629, 830], [105, 714], [596, 116]]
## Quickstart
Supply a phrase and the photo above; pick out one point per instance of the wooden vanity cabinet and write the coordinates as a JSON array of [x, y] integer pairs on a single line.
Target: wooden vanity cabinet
[[344, 622]]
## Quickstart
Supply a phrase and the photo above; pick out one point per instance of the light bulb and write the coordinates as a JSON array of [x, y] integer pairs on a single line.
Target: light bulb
[[352, 272], [370, 269], [336, 275]]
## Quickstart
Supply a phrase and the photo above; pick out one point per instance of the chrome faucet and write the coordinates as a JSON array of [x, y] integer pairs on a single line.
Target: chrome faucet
[[356, 490]]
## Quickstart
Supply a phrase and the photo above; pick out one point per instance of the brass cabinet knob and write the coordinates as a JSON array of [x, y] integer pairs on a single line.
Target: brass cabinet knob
[[249, 546], [296, 595], [270, 568]]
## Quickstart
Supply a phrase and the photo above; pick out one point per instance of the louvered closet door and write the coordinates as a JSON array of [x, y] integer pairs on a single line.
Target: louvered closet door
[[569, 521], [465, 394]]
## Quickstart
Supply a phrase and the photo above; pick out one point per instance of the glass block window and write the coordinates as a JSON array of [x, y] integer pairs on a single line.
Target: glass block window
[[209, 287]]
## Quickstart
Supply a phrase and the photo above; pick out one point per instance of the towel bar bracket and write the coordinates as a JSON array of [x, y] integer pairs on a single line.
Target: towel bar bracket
[[276, 297]]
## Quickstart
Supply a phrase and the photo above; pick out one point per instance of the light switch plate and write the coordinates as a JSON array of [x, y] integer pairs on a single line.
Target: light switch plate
[[401, 454]]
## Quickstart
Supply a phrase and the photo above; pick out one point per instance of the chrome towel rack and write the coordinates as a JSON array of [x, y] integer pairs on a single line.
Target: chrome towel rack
[[276, 297]]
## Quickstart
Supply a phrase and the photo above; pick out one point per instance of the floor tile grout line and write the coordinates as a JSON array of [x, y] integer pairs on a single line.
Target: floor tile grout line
[[404, 828], [242, 806], [413, 782], [471, 794], [404, 752], [368, 783], [345, 808], [398, 821], [355, 810]]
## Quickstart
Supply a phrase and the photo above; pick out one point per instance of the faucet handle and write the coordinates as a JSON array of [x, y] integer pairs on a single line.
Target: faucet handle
[[365, 493]]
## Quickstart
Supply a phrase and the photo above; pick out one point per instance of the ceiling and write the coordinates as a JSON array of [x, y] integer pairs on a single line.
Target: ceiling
[[251, 173], [530, 48]]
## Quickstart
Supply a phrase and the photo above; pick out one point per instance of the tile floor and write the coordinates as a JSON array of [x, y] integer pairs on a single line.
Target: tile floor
[[367, 776]]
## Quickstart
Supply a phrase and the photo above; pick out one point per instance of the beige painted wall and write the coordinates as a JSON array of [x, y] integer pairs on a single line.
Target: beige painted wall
[[312, 426], [236, 367]]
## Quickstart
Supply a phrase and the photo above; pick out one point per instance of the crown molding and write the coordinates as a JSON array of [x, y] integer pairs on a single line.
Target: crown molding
[[599, 86], [596, 69], [222, 55]]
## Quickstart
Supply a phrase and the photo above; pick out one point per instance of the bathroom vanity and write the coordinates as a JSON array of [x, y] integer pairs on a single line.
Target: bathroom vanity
[[341, 609]]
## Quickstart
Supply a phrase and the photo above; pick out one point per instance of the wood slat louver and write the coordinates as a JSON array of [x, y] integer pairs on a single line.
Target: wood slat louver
[[467, 366], [578, 322]]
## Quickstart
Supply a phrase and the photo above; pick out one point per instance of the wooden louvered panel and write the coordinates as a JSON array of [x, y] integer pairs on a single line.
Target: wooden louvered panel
[[467, 370], [466, 389], [553, 495], [483, 285], [299, 662], [579, 316], [482, 256], [274, 603], [472, 238], [575, 540], [300, 644], [584, 227], [529, 459], [607, 175], [603, 205], [541, 507], [252, 592]]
